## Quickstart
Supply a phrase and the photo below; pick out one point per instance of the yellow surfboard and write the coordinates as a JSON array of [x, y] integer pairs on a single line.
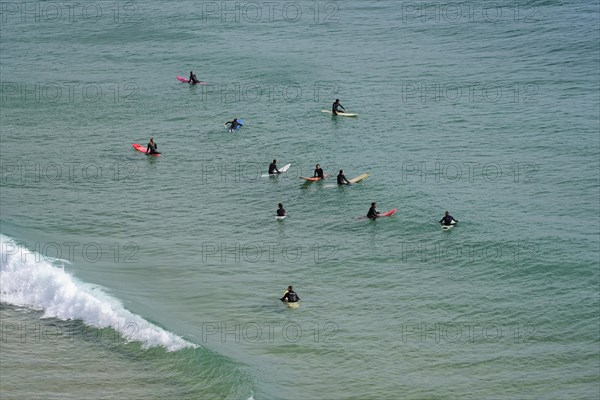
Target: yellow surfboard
[[359, 178]]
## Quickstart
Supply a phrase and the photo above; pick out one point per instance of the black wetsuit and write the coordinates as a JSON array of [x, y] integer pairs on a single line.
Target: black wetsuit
[[151, 149], [273, 169], [280, 212], [319, 173], [341, 180], [290, 296], [193, 79], [372, 213], [234, 124], [334, 108], [447, 220]]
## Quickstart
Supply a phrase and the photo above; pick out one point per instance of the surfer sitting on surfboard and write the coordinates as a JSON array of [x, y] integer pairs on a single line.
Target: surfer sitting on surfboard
[[234, 124], [280, 211], [193, 80], [290, 296], [152, 146], [319, 172], [273, 168], [341, 179], [373, 211], [447, 219], [336, 105]]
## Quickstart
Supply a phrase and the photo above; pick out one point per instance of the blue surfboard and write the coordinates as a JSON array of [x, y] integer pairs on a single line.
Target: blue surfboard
[[240, 124]]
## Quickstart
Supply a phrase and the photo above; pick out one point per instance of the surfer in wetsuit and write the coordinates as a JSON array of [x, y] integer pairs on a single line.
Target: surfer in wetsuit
[[341, 179], [152, 146], [373, 211], [193, 80], [234, 124], [280, 211], [336, 106], [273, 168], [290, 296], [447, 219], [319, 172]]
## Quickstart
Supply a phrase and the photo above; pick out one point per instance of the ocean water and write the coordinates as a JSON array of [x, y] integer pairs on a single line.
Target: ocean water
[[159, 277]]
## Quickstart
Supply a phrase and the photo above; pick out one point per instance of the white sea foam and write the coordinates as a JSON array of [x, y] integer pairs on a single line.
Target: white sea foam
[[28, 280]]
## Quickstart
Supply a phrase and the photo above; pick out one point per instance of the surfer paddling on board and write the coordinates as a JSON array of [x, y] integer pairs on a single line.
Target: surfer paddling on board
[[447, 219], [319, 172], [281, 211], [373, 211], [341, 179], [290, 296], [152, 146], [234, 124], [336, 106], [193, 80], [273, 168]]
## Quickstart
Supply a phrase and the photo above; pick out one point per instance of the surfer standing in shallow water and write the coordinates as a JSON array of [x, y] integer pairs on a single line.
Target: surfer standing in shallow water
[[193, 80], [281, 211], [290, 296], [336, 106], [373, 211], [447, 219], [341, 179], [234, 124], [319, 172], [152, 146]]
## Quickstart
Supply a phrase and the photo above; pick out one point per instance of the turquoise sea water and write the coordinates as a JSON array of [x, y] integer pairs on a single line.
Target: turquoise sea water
[[126, 275]]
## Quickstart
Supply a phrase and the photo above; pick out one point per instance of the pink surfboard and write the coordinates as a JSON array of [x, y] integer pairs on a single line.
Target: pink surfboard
[[142, 149], [182, 79]]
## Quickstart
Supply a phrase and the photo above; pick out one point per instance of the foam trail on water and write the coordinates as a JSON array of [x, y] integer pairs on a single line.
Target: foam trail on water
[[31, 281]]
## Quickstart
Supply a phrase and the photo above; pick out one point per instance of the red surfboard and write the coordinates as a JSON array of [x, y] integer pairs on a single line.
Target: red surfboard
[[316, 178], [388, 213], [182, 79], [142, 149]]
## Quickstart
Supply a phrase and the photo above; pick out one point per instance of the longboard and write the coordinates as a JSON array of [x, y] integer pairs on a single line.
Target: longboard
[[142, 149], [315, 178], [343, 114], [359, 178], [182, 79]]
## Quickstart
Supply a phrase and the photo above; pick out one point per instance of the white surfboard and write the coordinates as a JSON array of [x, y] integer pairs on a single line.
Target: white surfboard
[[281, 170], [294, 304], [448, 227], [280, 217], [343, 114]]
